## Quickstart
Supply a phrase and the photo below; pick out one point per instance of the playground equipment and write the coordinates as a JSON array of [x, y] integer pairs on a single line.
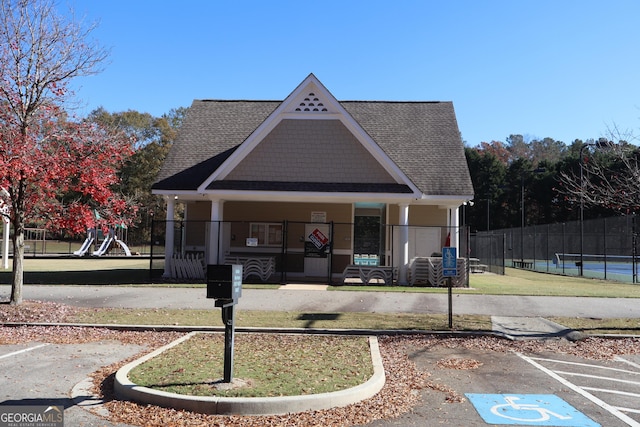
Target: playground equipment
[[106, 244], [91, 236], [104, 247]]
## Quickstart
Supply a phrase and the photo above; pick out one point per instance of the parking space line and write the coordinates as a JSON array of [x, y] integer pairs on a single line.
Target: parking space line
[[604, 405], [606, 390], [24, 350], [590, 365], [597, 377], [629, 362]]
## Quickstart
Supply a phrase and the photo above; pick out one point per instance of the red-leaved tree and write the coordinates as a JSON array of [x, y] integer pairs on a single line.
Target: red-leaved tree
[[53, 170]]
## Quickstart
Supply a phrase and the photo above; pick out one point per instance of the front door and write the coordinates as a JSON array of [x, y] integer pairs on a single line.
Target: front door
[[369, 233], [316, 250]]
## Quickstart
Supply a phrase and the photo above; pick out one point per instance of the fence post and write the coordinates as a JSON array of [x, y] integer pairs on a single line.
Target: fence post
[[534, 248], [563, 247], [604, 245], [151, 251], [634, 252], [546, 251]]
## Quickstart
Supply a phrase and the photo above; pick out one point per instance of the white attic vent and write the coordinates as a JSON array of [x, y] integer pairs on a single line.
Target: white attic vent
[[311, 103]]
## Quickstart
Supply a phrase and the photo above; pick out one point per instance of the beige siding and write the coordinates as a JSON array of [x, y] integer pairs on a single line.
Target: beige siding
[[296, 213], [198, 216], [284, 155], [420, 215]]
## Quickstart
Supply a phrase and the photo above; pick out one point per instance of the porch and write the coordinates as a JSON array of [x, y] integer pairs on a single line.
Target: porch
[[292, 251]]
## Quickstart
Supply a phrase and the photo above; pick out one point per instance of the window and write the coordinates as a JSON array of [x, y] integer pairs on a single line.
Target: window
[[267, 234]]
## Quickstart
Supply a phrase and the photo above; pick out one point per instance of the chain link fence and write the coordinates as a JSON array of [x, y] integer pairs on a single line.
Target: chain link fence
[[296, 255], [604, 248]]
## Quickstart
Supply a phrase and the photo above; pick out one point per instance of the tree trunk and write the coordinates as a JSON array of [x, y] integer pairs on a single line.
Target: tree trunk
[[18, 243], [18, 266]]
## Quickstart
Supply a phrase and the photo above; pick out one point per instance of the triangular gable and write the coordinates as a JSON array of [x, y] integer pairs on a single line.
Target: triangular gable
[[309, 101]]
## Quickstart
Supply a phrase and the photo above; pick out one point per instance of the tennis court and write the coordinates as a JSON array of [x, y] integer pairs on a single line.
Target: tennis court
[[610, 267], [609, 248]]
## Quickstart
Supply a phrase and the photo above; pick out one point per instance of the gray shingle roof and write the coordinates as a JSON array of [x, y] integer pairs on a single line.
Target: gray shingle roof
[[422, 138]]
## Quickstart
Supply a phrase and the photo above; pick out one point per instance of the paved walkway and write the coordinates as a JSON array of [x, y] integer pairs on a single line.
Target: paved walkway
[[305, 298], [515, 317]]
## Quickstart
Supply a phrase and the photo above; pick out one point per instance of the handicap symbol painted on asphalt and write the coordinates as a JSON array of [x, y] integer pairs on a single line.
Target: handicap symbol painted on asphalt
[[528, 410]]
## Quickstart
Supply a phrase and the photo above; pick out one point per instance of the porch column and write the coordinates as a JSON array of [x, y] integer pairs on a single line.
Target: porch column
[[454, 228], [215, 231], [403, 244], [168, 239]]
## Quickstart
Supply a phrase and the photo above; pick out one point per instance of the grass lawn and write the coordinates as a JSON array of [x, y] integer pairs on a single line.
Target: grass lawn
[[282, 319], [304, 365], [134, 271], [524, 282]]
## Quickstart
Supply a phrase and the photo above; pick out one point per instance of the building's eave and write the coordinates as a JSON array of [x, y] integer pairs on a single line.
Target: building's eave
[[314, 197]]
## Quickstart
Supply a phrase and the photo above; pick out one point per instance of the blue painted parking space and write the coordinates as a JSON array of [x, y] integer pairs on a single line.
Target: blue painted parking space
[[528, 410]]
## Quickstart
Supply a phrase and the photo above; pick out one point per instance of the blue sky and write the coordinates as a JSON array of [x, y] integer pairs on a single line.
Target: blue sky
[[563, 69]]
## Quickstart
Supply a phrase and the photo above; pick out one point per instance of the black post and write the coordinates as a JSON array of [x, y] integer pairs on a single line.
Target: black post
[[283, 250], [582, 208], [228, 319], [604, 245], [602, 142], [634, 249], [151, 251], [522, 220], [450, 285]]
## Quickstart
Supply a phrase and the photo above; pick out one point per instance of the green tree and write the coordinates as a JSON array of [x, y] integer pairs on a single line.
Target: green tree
[[547, 150], [154, 136], [518, 147], [487, 174]]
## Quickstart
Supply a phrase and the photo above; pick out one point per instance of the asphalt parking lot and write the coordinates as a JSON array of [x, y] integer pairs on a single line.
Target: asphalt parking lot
[[45, 374], [527, 389], [570, 391], [604, 393]]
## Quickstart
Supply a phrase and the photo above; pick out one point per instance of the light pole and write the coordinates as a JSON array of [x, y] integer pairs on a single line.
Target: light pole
[[602, 142], [488, 200], [488, 223], [523, 218]]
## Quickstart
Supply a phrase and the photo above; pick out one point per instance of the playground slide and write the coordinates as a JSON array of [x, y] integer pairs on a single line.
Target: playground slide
[[85, 246], [123, 246], [104, 247]]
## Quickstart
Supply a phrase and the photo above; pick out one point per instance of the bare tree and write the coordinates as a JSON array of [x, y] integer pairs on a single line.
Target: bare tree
[[40, 52], [608, 175]]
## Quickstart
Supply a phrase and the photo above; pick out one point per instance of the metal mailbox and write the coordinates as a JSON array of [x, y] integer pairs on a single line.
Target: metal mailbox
[[224, 282]]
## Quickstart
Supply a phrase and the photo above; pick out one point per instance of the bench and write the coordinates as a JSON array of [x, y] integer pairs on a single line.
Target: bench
[[367, 274], [476, 267], [523, 264], [188, 266], [428, 271], [263, 267]]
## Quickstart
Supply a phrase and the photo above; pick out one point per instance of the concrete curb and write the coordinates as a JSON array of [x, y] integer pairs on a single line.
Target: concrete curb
[[529, 328], [127, 390], [569, 334], [83, 397]]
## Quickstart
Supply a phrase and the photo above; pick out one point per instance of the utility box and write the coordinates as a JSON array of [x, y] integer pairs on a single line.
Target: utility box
[[224, 282]]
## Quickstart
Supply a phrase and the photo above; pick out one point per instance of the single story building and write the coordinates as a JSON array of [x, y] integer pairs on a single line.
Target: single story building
[[315, 185]]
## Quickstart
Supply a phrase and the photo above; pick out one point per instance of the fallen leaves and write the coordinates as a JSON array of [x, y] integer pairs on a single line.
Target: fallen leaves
[[458, 363], [35, 312], [404, 381]]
